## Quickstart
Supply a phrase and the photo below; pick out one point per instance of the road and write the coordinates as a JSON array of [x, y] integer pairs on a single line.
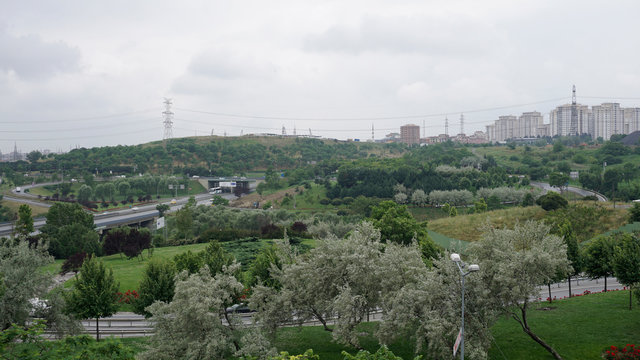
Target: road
[[573, 189], [118, 217], [127, 324]]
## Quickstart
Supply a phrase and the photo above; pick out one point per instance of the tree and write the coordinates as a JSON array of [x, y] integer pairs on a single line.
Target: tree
[[24, 224], [419, 198], [396, 224], [34, 156], [22, 279], [626, 262], [565, 229], [514, 263], [162, 208], [558, 180], [157, 284], [73, 263], [191, 326], [85, 193], [480, 206], [552, 201], [123, 188], [188, 261], [634, 213], [74, 238], [427, 308], [65, 188], [94, 293], [599, 257], [216, 258], [184, 221], [219, 200], [342, 279]]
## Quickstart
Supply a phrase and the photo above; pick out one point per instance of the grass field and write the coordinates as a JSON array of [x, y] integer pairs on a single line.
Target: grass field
[[580, 328], [36, 211], [467, 227]]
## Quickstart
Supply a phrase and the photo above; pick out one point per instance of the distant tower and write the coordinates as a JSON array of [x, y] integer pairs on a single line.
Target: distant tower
[[15, 151], [446, 126], [373, 137], [574, 114], [284, 131], [310, 134], [168, 120], [462, 124], [294, 129]]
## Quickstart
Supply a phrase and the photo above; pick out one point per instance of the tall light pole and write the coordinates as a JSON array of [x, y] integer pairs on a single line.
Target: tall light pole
[[472, 268]]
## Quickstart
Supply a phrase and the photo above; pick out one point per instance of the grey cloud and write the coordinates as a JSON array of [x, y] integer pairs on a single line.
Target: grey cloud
[[30, 57], [417, 34]]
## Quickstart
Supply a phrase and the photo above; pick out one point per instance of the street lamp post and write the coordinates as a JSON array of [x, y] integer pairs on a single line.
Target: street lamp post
[[472, 268]]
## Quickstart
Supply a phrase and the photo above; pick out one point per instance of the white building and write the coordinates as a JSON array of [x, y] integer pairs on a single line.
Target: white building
[[608, 119], [561, 120]]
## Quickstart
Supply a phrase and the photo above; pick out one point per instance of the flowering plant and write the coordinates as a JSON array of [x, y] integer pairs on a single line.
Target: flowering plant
[[128, 297], [628, 352]]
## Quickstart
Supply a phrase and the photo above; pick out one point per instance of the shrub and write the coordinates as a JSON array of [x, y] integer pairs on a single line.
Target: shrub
[[73, 263], [324, 201], [272, 231], [552, 201], [336, 202]]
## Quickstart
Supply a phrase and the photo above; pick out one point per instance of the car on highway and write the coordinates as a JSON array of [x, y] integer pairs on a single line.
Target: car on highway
[[135, 208], [173, 201]]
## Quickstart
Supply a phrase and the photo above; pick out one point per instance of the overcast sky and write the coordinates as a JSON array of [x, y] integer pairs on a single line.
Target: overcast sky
[[94, 73]]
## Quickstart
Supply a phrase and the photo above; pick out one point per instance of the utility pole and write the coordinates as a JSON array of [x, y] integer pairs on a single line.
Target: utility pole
[[574, 113], [168, 121]]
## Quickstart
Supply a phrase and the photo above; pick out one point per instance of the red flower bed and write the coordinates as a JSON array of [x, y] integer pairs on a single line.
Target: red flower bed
[[628, 352], [128, 297]]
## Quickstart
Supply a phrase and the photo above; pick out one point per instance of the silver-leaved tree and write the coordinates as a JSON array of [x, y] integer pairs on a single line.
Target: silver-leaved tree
[[196, 325], [513, 263]]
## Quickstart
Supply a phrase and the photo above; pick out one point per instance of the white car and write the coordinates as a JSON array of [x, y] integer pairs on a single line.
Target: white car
[[135, 208]]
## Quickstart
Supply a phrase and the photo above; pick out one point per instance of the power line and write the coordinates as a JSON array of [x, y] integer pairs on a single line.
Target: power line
[[80, 119], [366, 118], [128, 132], [111, 125]]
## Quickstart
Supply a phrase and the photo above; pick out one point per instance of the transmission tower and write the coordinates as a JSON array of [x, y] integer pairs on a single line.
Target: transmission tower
[[446, 126], [574, 113], [462, 124], [168, 120], [294, 129], [373, 137], [284, 131]]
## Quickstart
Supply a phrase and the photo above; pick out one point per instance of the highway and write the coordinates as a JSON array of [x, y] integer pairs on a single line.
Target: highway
[[127, 324], [113, 218], [573, 189]]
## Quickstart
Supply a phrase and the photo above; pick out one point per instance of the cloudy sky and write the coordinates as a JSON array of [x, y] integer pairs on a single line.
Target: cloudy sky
[[89, 73]]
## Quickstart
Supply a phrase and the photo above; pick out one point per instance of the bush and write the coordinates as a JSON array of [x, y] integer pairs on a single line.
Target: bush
[[271, 231], [552, 201], [324, 201], [223, 235], [336, 202], [628, 352]]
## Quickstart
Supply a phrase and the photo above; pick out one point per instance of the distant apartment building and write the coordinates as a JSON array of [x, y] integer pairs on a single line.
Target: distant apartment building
[[410, 134], [560, 118], [528, 124], [608, 119], [631, 120]]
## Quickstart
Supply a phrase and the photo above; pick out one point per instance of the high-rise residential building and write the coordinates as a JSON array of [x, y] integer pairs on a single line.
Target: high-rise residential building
[[410, 134], [528, 124], [608, 119], [561, 120], [631, 120]]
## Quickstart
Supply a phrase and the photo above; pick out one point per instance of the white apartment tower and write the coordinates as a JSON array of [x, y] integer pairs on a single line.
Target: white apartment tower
[[608, 119], [631, 120], [528, 124], [561, 120]]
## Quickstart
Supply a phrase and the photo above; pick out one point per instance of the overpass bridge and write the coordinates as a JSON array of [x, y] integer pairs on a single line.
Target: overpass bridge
[[142, 215]]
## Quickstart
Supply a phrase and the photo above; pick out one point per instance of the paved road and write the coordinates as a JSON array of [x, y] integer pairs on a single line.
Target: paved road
[[118, 217], [573, 189], [127, 324]]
